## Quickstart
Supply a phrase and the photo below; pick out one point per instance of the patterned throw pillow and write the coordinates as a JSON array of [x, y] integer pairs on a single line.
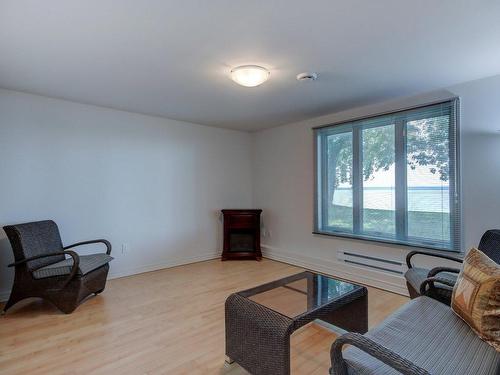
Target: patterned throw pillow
[[476, 296]]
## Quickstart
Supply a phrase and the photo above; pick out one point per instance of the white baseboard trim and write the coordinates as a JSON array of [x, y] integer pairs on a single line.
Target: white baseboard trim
[[115, 274], [356, 274], [361, 275], [162, 265]]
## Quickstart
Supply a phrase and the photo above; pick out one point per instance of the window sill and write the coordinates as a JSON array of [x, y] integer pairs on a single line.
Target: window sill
[[437, 249]]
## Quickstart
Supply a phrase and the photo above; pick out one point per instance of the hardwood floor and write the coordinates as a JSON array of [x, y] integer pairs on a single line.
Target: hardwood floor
[[164, 322]]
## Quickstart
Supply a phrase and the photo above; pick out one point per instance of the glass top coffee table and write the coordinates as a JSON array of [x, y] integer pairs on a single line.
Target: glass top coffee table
[[260, 320]]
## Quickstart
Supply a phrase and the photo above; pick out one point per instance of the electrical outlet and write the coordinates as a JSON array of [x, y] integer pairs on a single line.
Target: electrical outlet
[[124, 248]]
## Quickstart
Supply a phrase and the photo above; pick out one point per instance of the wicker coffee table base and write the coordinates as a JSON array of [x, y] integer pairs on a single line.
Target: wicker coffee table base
[[258, 338]]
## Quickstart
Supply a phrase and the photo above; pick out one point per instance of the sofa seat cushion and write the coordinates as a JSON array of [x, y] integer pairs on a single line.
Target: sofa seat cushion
[[88, 263], [429, 334], [416, 276]]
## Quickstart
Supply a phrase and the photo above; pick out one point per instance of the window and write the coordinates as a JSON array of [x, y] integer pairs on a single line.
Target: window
[[391, 178]]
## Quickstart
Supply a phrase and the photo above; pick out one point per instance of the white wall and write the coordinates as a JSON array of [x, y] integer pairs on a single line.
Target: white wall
[[151, 183], [157, 184], [283, 170]]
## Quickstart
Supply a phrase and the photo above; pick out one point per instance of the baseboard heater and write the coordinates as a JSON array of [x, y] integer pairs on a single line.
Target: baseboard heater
[[380, 264]]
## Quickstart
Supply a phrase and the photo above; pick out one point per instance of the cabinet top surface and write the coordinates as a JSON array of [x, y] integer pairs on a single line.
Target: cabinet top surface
[[241, 211]]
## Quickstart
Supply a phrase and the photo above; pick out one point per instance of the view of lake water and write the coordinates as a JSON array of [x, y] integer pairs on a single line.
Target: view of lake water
[[421, 198]]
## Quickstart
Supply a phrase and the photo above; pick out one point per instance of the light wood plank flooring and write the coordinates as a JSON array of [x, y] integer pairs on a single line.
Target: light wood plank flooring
[[163, 322]]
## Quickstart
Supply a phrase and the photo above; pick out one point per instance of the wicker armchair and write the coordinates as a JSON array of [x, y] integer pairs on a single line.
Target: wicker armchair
[[438, 282], [42, 270]]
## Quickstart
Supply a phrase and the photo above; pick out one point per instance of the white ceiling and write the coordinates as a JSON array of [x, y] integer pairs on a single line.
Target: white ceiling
[[172, 58]]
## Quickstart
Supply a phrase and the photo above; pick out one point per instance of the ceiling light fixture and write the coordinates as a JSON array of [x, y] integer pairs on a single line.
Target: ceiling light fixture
[[250, 75]]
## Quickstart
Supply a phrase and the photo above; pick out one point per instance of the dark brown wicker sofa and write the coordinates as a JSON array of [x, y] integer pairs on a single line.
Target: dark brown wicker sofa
[[423, 337], [42, 270]]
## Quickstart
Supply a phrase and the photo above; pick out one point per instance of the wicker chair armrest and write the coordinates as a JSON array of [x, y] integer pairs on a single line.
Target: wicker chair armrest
[[411, 254], [374, 349], [105, 242], [429, 282], [74, 269], [433, 272], [39, 256]]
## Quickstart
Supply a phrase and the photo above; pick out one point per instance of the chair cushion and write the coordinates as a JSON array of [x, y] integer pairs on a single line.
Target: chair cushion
[[429, 334], [476, 296], [416, 276], [88, 263]]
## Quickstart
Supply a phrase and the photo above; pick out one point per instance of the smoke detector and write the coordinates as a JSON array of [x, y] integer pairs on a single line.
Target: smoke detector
[[306, 76]]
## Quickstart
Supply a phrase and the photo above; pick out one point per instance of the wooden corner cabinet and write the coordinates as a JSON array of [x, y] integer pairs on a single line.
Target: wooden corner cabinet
[[241, 234]]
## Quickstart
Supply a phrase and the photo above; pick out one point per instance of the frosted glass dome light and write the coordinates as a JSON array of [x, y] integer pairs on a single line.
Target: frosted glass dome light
[[250, 75]]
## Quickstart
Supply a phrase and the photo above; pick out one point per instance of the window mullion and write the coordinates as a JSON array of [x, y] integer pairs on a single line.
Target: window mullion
[[357, 179], [324, 180], [401, 181]]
